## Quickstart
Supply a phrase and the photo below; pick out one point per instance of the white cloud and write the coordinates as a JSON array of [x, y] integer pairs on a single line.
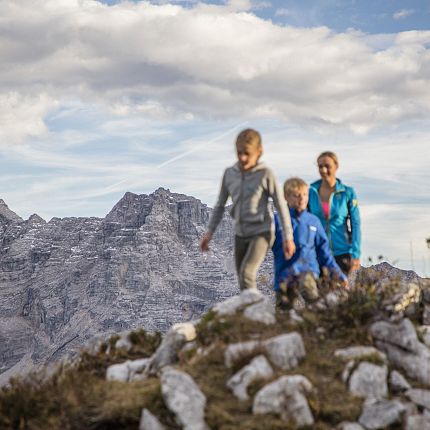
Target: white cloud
[[207, 61], [283, 12], [403, 13]]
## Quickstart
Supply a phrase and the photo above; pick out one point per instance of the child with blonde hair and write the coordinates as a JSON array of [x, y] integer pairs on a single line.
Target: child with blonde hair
[[250, 184], [299, 274]]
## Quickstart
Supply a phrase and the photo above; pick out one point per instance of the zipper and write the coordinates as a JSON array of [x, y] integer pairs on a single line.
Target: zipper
[[242, 179]]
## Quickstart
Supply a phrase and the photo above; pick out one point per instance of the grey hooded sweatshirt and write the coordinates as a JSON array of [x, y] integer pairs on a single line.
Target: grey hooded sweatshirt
[[250, 191]]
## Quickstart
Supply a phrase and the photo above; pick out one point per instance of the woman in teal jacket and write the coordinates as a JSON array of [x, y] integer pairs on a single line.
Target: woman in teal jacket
[[336, 205]]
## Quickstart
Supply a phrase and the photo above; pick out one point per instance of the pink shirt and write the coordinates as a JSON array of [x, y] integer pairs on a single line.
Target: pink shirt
[[326, 209]]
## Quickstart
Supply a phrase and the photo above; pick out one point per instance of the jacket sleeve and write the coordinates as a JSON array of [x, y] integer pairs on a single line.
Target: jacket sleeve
[[324, 254], [278, 252], [218, 210], [281, 206], [355, 224]]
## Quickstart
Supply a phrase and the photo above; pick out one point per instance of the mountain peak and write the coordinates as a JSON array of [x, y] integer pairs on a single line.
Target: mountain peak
[[6, 213]]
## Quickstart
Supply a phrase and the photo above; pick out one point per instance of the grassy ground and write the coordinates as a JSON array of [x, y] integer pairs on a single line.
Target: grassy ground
[[77, 396]]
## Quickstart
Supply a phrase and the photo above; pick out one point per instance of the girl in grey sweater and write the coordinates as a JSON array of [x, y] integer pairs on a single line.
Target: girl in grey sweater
[[250, 184]]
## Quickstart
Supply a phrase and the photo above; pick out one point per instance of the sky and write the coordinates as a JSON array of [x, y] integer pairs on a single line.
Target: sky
[[98, 98]]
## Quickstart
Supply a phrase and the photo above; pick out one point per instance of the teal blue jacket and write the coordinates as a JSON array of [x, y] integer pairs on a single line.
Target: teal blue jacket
[[343, 204]]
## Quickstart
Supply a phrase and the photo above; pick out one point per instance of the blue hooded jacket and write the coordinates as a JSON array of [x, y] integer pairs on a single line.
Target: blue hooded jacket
[[312, 249], [343, 202]]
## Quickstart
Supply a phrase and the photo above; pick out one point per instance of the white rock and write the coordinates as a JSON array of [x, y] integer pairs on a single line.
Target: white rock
[[286, 397], [124, 342], [417, 422], [402, 335], [258, 368], [419, 396], [235, 351], [295, 317], [262, 311], [149, 421], [369, 380], [424, 331], [379, 414], [118, 372], [184, 398], [188, 330], [349, 426], [354, 352], [233, 304], [403, 349], [137, 369], [397, 382], [285, 351]]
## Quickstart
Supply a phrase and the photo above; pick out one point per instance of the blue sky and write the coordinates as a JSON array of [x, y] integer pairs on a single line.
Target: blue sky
[[100, 98]]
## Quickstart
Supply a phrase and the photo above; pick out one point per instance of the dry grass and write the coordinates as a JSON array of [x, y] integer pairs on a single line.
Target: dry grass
[[77, 397]]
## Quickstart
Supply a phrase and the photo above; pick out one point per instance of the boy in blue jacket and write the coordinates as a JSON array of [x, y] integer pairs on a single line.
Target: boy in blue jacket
[[313, 251]]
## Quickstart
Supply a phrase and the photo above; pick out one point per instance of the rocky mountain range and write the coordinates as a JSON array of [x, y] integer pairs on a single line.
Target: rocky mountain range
[[69, 280], [65, 281]]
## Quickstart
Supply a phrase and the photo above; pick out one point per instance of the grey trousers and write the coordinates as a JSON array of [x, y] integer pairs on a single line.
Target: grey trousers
[[249, 253]]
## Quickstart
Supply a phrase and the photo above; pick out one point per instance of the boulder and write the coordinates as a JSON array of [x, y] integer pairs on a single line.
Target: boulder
[[262, 311], [369, 380], [403, 349], [285, 351], [417, 422], [149, 421], [286, 397], [258, 368], [419, 396], [398, 383], [184, 398], [357, 352], [173, 341], [235, 303], [381, 413], [349, 426]]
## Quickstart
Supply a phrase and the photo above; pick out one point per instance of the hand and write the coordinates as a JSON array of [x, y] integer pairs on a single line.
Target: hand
[[345, 284], [355, 264], [204, 244], [289, 248]]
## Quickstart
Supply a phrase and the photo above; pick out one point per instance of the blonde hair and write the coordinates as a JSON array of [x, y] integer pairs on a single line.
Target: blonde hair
[[249, 137], [331, 155], [293, 184]]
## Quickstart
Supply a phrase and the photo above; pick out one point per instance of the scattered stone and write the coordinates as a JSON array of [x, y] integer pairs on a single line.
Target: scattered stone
[[402, 335], [124, 342], [285, 351], [184, 398], [149, 421], [417, 422], [398, 383], [295, 317], [356, 352], [381, 413], [235, 303], [286, 397], [419, 396], [172, 342], [235, 351], [259, 368], [369, 380], [118, 372], [127, 371], [424, 331], [349, 426], [262, 311], [188, 330], [405, 353]]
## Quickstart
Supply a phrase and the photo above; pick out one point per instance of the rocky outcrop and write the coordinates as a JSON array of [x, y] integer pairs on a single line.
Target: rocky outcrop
[[68, 280]]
